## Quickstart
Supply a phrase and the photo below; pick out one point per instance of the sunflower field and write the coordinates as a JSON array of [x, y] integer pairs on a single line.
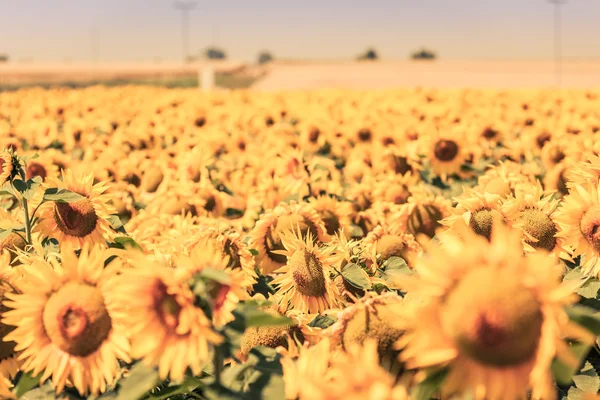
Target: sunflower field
[[317, 245]]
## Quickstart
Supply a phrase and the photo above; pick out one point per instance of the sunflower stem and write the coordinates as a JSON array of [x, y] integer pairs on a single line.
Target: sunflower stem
[[27, 221], [218, 365]]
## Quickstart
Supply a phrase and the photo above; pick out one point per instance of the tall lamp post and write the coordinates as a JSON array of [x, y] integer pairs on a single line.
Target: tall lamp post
[[558, 39], [185, 7]]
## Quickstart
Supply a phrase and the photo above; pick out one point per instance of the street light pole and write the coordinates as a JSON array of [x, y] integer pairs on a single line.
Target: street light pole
[[558, 39], [185, 7]]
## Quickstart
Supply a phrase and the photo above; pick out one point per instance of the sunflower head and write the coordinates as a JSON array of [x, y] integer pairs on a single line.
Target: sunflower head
[[76, 319], [285, 223], [307, 272], [493, 318], [9, 163], [446, 150], [424, 219], [539, 226], [590, 226], [7, 348], [481, 222], [391, 246], [77, 218]]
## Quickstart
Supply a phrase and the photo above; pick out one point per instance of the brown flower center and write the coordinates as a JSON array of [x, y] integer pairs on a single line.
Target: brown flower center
[[308, 274], [541, 227], [77, 218], [493, 318], [590, 226], [76, 320], [332, 223], [481, 222], [36, 169], [166, 306], [446, 150]]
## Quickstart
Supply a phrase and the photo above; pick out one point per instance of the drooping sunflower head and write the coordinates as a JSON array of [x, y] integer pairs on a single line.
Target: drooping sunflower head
[[421, 216], [375, 318], [8, 166], [334, 213], [490, 313]]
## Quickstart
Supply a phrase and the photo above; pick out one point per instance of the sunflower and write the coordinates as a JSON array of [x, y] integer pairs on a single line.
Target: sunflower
[[334, 213], [492, 316], [79, 222], [320, 373], [446, 152], [422, 215], [304, 282], [501, 179], [64, 322], [14, 241], [533, 212], [373, 318], [386, 241], [586, 171], [478, 210], [166, 328], [579, 218], [8, 163], [266, 235], [9, 364], [207, 255]]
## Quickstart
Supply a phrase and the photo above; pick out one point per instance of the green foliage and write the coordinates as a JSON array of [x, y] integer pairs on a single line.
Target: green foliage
[[369, 54], [214, 53], [423, 54], [354, 275], [264, 57]]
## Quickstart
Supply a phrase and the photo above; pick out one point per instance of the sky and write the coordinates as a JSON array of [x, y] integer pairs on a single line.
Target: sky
[[150, 30]]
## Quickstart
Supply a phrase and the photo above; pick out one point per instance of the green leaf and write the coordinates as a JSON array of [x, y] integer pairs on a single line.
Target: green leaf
[[116, 223], [590, 289], [396, 265], [562, 372], [575, 394], [254, 252], [216, 275], [587, 379], [61, 195], [322, 321], [28, 189], [141, 380], [45, 392], [355, 275], [586, 317], [26, 383], [127, 243], [189, 384], [248, 315], [427, 388], [4, 233], [20, 185]]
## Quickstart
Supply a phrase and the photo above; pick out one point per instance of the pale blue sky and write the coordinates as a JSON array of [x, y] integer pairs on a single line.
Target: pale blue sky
[[143, 30]]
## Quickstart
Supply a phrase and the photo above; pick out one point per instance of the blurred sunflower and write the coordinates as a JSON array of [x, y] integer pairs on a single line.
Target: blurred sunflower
[[64, 322], [157, 308], [579, 220], [492, 316]]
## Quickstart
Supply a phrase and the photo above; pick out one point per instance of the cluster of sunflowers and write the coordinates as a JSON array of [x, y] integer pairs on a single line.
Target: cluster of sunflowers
[[416, 244]]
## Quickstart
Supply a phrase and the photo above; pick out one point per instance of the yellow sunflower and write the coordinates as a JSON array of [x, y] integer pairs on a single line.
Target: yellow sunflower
[[386, 241], [225, 295], [7, 166], [166, 328], [446, 152], [586, 171], [14, 241], [9, 363], [489, 314], [266, 235], [422, 215], [334, 213], [64, 322], [533, 212], [579, 220], [320, 373], [79, 222], [478, 210], [304, 282], [375, 318]]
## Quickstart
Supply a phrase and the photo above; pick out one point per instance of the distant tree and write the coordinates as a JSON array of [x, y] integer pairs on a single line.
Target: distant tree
[[265, 57], [370, 54], [423, 54], [3, 58], [214, 53]]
